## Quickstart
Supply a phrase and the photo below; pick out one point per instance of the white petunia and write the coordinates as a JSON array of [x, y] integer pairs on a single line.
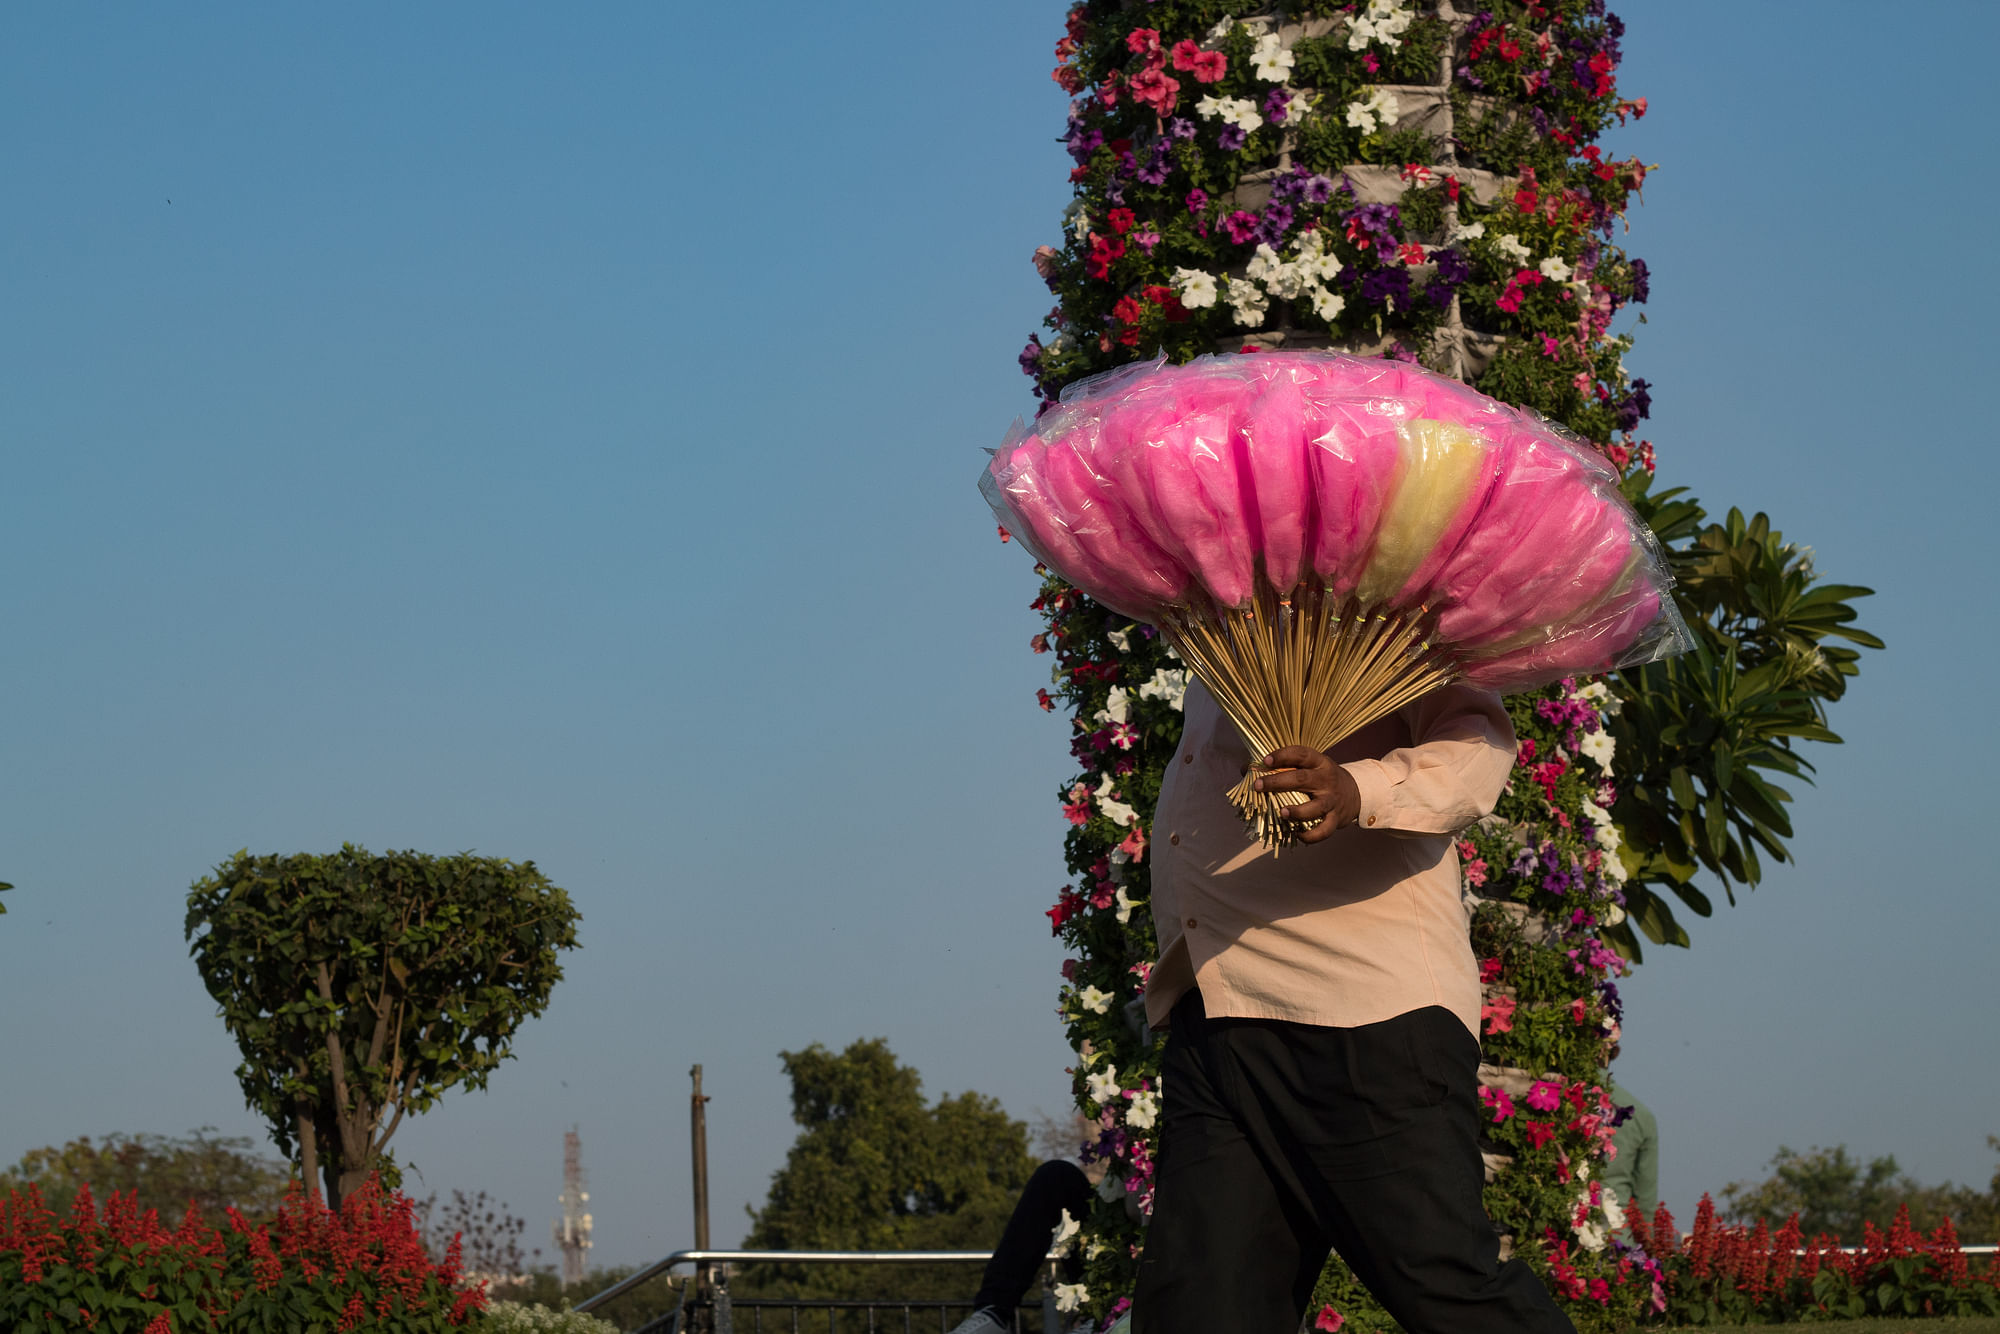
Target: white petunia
[[1247, 299], [1238, 111], [1377, 111], [1614, 1212], [1117, 706], [1124, 906], [1114, 810], [1611, 840], [1600, 747], [1280, 279], [1169, 684], [1297, 105], [1094, 999], [1065, 1237], [1313, 261], [1102, 1086], [1076, 220], [1142, 1111], [1062, 342], [1510, 246], [1381, 22], [1195, 288], [1271, 58], [1555, 269], [1069, 1296], [1328, 305], [1465, 232], [1122, 639]]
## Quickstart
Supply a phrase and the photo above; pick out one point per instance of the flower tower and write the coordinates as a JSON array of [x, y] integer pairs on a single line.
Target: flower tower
[[1397, 179]]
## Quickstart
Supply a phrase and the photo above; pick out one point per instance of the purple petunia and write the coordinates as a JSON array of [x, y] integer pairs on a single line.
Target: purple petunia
[[1242, 227], [1180, 127], [1303, 186], [1231, 138], [1389, 284], [1276, 222], [1642, 281], [1379, 221], [1031, 355], [1452, 265], [1156, 168]]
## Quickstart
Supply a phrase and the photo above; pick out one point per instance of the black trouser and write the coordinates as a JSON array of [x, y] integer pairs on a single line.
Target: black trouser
[[1283, 1140], [1055, 1187]]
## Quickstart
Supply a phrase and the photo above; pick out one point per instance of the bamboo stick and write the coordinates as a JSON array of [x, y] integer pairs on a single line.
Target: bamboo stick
[[1298, 668]]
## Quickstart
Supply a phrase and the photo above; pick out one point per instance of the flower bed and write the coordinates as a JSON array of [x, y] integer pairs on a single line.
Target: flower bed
[[1719, 1274], [119, 1270]]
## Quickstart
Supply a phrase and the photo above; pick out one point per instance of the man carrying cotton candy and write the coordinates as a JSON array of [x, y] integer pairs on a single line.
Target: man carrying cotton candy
[[1353, 556], [1321, 1070]]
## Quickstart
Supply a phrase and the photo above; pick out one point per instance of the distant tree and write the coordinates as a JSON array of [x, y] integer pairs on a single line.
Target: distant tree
[[1836, 1194], [211, 1171], [361, 987], [875, 1168], [488, 1235]]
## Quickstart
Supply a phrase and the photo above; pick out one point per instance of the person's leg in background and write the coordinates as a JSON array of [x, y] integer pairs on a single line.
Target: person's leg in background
[[1056, 1188]]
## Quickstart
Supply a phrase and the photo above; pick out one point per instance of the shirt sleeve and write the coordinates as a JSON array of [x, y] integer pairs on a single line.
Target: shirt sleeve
[[1460, 753]]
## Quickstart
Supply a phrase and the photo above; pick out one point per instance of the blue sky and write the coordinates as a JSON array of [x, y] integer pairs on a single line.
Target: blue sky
[[554, 435]]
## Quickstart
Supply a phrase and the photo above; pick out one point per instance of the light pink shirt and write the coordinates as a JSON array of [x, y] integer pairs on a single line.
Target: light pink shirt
[[1360, 928]]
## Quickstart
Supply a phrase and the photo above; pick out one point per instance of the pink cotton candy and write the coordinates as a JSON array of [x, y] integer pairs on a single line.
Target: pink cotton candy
[[1352, 457], [1275, 457], [1548, 545], [1175, 446], [1136, 575], [1155, 486], [1600, 643], [1016, 480]]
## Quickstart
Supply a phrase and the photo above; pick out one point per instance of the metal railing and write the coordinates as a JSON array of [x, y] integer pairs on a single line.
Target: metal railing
[[761, 1315], [719, 1308]]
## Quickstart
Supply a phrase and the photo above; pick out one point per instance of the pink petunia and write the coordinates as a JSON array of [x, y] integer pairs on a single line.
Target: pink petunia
[[1154, 87], [1498, 1014], [1501, 1103], [1206, 66], [1329, 1320], [1134, 845], [1544, 1096]]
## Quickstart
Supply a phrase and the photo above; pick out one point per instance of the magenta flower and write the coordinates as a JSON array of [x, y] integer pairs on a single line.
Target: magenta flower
[[1544, 1096]]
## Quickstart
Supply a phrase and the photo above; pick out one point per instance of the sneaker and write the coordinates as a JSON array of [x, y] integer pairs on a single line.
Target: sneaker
[[982, 1321]]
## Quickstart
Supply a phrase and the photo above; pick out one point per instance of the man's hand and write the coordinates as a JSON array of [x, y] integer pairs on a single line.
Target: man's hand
[[1335, 800]]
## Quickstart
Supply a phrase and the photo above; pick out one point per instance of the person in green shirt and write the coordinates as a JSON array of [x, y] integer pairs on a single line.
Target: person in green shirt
[[1634, 1173]]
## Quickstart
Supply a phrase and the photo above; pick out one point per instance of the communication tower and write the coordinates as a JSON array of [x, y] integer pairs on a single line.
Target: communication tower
[[573, 1228]]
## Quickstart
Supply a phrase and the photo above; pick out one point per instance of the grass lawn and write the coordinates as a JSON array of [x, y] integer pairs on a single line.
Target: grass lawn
[[1967, 1325]]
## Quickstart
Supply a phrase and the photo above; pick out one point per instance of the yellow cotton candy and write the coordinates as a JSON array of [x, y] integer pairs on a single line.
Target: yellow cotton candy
[[1440, 465]]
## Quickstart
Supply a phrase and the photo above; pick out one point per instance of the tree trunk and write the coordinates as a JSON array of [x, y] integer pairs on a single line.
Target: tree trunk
[[308, 1148]]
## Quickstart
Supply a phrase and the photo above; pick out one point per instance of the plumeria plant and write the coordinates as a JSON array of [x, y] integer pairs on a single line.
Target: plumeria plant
[[1424, 182]]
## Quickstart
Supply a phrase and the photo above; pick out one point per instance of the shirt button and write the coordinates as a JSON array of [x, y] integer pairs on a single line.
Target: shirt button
[[1174, 839], [1192, 924], [1188, 758], [1371, 819]]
